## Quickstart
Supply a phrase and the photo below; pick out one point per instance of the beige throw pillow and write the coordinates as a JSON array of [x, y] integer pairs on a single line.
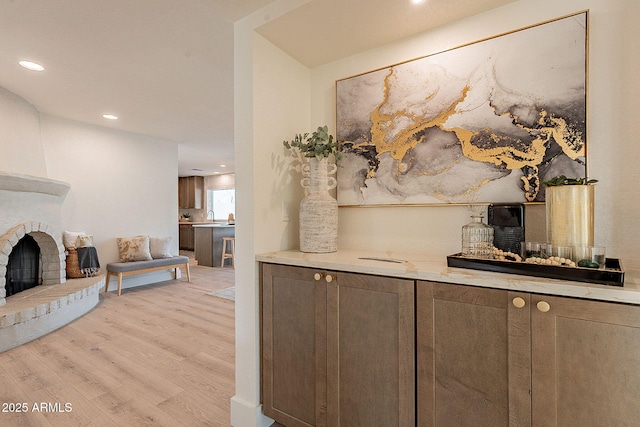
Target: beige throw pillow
[[84, 241], [160, 247], [134, 248]]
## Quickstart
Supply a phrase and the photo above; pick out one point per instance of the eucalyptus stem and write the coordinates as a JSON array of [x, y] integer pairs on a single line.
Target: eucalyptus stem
[[319, 145]]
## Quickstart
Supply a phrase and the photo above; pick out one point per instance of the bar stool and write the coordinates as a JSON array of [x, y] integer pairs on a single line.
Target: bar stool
[[231, 242]]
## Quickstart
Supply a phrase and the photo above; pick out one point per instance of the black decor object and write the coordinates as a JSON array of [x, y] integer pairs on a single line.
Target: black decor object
[[507, 221]]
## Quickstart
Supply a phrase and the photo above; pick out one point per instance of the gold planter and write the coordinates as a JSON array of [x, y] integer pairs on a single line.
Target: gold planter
[[570, 215]]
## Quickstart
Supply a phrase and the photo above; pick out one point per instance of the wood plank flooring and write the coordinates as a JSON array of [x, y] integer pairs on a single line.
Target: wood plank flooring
[[159, 355]]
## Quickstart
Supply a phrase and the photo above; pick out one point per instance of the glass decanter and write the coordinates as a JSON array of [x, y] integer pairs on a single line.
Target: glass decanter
[[477, 238]]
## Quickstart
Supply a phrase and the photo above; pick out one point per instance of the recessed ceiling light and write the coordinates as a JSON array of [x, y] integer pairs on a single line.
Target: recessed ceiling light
[[223, 166], [417, 1], [31, 66], [110, 116]]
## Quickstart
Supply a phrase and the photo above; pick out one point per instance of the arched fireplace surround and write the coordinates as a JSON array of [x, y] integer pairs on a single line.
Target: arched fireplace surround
[[51, 251]]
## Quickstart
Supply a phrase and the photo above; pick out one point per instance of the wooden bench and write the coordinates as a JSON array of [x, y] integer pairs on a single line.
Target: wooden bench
[[121, 269]]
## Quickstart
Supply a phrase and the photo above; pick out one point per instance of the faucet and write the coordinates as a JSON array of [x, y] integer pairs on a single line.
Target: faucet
[[212, 215]]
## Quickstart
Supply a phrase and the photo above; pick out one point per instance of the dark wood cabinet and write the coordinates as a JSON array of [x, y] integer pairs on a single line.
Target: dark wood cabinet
[[337, 348], [474, 356], [489, 357], [208, 243], [585, 361], [345, 349], [186, 237], [190, 192], [370, 351], [294, 346]]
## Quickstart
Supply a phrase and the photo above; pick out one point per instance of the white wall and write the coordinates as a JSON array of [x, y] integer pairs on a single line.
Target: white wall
[[281, 109], [271, 104], [617, 87], [20, 136], [613, 107], [122, 184]]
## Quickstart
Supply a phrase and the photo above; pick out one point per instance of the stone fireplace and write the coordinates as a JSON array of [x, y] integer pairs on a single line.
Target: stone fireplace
[[51, 253], [32, 206]]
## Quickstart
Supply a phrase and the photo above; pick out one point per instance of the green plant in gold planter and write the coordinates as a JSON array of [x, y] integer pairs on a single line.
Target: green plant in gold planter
[[569, 209], [563, 180]]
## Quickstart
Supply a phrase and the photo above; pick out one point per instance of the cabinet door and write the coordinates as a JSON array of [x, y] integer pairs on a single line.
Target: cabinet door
[[586, 362], [474, 356], [371, 351], [183, 193], [185, 235], [190, 239], [203, 246], [196, 187], [190, 190], [294, 348]]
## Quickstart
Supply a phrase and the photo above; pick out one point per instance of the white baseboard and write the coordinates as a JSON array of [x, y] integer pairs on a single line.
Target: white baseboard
[[244, 414]]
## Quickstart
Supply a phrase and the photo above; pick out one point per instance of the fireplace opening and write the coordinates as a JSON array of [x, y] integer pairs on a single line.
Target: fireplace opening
[[23, 266]]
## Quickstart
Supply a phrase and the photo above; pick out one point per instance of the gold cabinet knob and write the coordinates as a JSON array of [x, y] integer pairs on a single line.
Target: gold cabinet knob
[[519, 302], [543, 306], [329, 278], [317, 276]]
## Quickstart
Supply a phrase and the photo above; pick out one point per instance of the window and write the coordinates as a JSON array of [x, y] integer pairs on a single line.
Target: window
[[221, 203]]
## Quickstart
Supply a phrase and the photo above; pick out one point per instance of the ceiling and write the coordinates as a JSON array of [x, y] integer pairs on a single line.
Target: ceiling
[[322, 31], [165, 67]]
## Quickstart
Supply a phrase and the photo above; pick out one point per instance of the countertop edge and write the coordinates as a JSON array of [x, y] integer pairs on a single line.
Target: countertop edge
[[197, 225], [434, 268]]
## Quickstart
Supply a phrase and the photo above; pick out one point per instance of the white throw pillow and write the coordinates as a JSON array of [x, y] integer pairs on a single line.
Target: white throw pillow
[[160, 247], [134, 248], [70, 238]]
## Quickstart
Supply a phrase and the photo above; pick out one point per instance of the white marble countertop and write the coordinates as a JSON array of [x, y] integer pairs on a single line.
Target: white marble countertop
[[212, 225], [434, 267]]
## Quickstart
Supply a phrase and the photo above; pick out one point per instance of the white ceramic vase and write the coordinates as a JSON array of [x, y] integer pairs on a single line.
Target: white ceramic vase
[[318, 210]]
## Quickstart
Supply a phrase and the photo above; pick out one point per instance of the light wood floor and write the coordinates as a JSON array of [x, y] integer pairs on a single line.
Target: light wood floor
[[159, 355]]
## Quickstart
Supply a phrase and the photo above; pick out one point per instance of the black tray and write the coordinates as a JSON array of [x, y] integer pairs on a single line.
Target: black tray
[[611, 275]]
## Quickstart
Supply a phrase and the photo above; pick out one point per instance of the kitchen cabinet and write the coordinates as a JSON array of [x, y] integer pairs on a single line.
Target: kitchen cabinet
[[370, 350], [474, 356], [490, 357], [294, 360], [190, 192], [208, 242], [186, 237], [585, 362], [338, 349]]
